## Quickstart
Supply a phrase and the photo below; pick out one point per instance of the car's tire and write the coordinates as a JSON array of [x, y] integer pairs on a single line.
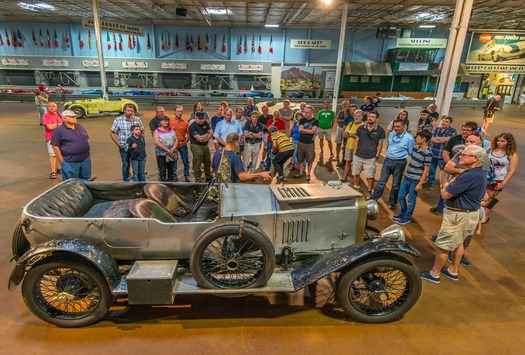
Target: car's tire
[[78, 110], [221, 258], [19, 244], [67, 293], [378, 290], [495, 57]]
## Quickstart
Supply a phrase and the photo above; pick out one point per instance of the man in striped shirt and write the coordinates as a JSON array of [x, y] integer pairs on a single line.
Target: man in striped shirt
[[414, 177], [283, 150]]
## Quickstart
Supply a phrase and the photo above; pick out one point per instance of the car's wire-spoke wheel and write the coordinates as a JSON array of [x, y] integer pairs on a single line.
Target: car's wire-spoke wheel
[[66, 293], [224, 257], [379, 290], [79, 111]]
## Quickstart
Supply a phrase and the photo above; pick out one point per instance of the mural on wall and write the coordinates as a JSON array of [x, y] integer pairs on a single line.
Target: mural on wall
[[490, 48], [301, 78]]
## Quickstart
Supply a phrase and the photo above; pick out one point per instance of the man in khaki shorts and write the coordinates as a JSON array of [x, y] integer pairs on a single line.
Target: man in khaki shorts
[[326, 122], [368, 145]]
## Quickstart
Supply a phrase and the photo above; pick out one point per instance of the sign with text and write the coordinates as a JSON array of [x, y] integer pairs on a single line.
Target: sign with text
[[311, 43], [487, 68], [421, 43], [214, 67], [134, 65], [251, 67], [412, 66], [111, 26], [55, 63], [500, 48], [93, 64], [174, 66], [15, 62]]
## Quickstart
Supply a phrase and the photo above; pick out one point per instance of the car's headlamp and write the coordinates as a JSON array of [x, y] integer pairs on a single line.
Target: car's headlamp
[[372, 209], [394, 232]]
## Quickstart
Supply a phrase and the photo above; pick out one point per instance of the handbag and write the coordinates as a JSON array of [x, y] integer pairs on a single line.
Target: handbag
[[493, 201]]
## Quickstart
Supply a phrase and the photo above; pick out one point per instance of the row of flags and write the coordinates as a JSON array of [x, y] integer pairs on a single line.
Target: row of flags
[[116, 42]]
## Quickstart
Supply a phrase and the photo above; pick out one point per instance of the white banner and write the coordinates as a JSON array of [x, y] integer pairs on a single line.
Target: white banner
[[413, 66], [55, 63], [111, 26], [174, 66], [480, 69], [214, 67], [250, 67], [15, 62], [135, 65], [421, 43], [93, 64], [311, 43]]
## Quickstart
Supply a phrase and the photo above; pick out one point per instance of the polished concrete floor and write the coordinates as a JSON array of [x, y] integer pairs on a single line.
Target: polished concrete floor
[[482, 313]]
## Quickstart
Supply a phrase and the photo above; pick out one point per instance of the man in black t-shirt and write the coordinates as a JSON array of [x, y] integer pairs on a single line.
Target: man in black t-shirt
[[308, 127], [200, 135]]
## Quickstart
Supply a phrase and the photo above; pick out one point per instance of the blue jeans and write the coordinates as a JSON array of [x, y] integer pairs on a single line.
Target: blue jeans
[[125, 155], [138, 166], [396, 168], [433, 167], [185, 161], [269, 146], [76, 169], [408, 188], [294, 157]]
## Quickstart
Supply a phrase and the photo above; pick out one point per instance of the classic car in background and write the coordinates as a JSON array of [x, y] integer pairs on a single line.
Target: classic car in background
[[81, 245], [134, 93], [82, 108], [497, 52], [173, 93], [255, 94]]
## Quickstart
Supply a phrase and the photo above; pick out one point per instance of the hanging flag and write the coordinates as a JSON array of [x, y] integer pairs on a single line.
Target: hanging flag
[[191, 43], [1, 40], [245, 43], [259, 48], [134, 42], [19, 36], [148, 43], [199, 42], [67, 41], [129, 41], [56, 39], [13, 38], [34, 38], [169, 42], [271, 48], [240, 45], [108, 40], [48, 39], [89, 40], [253, 43], [41, 38], [80, 41], [7, 38], [120, 42], [215, 43], [223, 49], [114, 42], [187, 42], [162, 41], [176, 41], [207, 43]]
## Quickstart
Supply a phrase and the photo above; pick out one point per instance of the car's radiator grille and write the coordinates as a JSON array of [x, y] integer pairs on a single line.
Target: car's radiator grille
[[295, 231], [293, 192]]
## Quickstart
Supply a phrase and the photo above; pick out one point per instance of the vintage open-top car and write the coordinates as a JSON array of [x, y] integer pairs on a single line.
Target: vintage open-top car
[[80, 245], [82, 108]]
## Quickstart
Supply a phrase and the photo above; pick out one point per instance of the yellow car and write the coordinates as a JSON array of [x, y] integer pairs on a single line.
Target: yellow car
[[82, 108]]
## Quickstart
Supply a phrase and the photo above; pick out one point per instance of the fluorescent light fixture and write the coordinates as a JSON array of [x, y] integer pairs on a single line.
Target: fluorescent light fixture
[[36, 7], [217, 11], [270, 25], [427, 26]]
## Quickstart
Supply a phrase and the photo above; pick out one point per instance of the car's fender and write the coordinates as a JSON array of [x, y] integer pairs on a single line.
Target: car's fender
[[66, 248], [333, 261]]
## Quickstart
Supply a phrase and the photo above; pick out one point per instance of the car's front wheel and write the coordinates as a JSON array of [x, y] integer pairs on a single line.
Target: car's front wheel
[[379, 290], [67, 293], [79, 111]]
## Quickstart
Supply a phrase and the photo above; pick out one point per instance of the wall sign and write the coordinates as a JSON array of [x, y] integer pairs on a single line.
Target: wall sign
[[174, 66], [55, 63], [214, 67], [500, 48], [480, 69], [134, 65], [421, 43], [311, 43], [93, 64], [251, 67], [111, 26], [15, 62]]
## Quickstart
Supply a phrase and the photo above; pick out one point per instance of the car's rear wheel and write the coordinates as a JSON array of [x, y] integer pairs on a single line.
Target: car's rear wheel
[[379, 290], [232, 256], [79, 111], [67, 293]]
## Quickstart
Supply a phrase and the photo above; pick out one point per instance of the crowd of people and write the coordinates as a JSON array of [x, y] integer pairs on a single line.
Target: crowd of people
[[247, 142]]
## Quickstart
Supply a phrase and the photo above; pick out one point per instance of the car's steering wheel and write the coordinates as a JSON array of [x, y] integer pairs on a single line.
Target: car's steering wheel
[[203, 196]]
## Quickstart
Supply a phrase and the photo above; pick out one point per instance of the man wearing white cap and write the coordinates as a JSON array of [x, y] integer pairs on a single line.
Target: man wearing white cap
[[71, 147]]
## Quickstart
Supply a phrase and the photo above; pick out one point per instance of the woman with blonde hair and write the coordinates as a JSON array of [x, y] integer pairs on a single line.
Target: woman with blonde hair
[[402, 115]]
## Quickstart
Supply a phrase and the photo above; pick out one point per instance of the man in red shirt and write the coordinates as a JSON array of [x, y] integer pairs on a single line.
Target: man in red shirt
[[182, 131], [277, 121], [51, 120]]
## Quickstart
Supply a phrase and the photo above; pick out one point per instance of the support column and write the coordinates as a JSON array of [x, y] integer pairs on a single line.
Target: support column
[[340, 50], [456, 40], [98, 36]]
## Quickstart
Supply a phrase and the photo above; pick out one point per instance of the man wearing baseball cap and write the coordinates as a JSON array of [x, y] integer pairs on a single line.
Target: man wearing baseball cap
[[71, 147]]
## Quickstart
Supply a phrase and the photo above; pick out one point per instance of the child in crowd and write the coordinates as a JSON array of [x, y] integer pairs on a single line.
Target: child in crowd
[[414, 177], [137, 148]]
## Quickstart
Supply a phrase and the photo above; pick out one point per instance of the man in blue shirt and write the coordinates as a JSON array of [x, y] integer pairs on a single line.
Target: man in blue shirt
[[400, 144], [462, 195], [440, 137], [367, 106], [225, 127]]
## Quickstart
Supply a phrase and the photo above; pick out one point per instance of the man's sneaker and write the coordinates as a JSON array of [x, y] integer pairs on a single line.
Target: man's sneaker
[[403, 221], [433, 237], [392, 206], [450, 275], [300, 175], [464, 261], [263, 164], [307, 178], [397, 216], [427, 275], [280, 178]]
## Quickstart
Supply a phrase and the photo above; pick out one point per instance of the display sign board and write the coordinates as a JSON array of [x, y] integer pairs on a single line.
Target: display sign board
[[495, 68], [134, 65], [311, 43], [421, 43], [496, 48], [250, 67], [174, 66], [55, 63], [412, 66], [111, 26], [15, 62], [93, 64], [213, 67]]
